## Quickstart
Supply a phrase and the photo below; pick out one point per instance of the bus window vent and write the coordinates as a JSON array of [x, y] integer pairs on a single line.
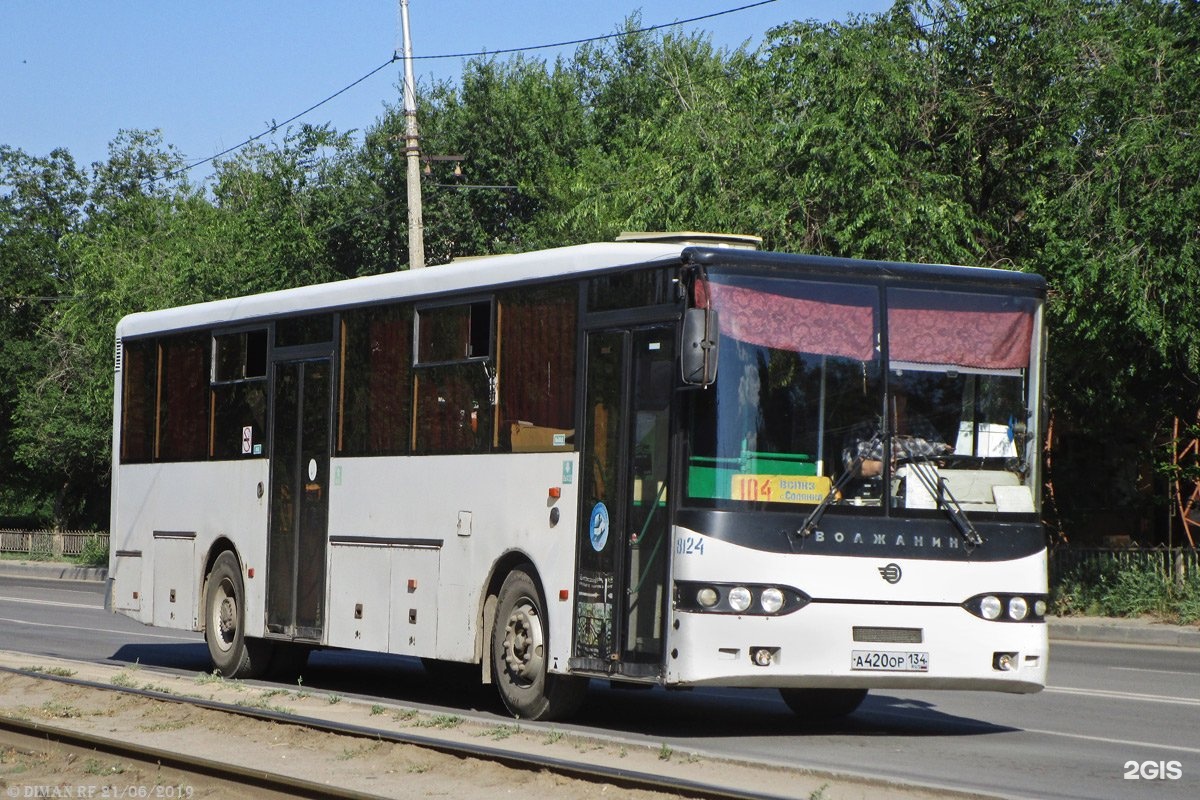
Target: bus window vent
[[117, 357], [889, 635]]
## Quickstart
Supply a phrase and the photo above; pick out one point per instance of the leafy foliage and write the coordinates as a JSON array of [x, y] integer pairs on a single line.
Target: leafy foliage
[[1127, 587], [95, 552], [40, 207], [1055, 136]]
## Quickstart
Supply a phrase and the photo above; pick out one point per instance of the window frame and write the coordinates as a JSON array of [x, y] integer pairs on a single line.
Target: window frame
[[244, 330], [220, 385], [469, 302]]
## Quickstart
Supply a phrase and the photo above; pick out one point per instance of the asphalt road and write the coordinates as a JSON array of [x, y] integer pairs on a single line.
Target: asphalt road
[[1116, 721]]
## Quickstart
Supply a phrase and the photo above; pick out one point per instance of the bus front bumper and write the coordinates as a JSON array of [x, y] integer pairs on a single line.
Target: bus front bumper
[[830, 645]]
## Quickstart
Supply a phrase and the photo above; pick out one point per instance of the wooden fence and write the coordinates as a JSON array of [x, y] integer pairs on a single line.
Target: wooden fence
[[49, 544], [1172, 563]]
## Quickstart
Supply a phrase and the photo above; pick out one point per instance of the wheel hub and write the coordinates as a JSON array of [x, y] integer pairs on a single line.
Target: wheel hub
[[523, 643], [226, 621]]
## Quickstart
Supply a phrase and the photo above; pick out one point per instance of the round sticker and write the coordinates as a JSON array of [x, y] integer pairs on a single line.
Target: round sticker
[[598, 527], [312, 469]]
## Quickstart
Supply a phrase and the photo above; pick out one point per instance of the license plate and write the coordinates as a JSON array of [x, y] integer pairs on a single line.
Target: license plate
[[889, 661]]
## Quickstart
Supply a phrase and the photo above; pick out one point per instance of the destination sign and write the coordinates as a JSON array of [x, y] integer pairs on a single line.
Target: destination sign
[[809, 489]]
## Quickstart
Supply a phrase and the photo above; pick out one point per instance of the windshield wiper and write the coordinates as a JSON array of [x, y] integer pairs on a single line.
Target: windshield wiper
[[923, 469], [941, 494], [814, 516]]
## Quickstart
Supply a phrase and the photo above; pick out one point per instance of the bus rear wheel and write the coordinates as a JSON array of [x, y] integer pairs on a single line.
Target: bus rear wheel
[[519, 655], [817, 705], [233, 654]]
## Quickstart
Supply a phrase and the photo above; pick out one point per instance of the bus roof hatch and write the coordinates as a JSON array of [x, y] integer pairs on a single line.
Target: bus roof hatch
[[733, 240]]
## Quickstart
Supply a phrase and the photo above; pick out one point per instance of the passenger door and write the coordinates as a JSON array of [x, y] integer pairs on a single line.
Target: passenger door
[[300, 484], [622, 559]]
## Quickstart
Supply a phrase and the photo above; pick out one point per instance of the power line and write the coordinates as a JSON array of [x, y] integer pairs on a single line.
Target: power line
[[276, 125], [590, 39], [395, 57]]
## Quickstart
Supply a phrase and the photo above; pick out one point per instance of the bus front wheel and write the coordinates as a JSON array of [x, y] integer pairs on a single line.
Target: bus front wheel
[[233, 654], [818, 705], [519, 657]]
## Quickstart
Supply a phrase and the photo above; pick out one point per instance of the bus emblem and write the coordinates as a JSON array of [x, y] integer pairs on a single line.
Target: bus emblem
[[891, 573]]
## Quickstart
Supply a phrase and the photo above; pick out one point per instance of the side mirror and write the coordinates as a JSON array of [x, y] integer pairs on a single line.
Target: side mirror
[[698, 347]]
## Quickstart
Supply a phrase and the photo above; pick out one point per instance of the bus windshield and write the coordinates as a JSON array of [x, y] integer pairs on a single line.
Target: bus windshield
[[904, 399]]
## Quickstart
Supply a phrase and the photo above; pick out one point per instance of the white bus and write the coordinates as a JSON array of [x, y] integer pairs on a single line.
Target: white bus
[[674, 460]]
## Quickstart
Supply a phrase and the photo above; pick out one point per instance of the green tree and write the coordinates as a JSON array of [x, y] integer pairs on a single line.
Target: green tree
[[1112, 208], [62, 416], [673, 138], [41, 204], [1055, 136], [288, 212], [518, 127]]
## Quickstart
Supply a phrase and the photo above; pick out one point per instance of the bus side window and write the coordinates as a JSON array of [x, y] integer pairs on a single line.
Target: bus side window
[[536, 376], [139, 387], [452, 379], [236, 407], [453, 413], [375, 397], [239, 395], [183, 398]]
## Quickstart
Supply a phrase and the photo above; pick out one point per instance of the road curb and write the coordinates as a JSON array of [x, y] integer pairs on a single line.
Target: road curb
[[1123, 631], [51, 571]]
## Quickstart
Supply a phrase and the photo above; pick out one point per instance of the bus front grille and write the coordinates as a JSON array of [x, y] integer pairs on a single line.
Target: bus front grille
[[888, 635]]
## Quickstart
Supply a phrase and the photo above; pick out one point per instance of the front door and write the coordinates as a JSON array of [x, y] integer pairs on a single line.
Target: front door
[[299, 498], [622, 553]]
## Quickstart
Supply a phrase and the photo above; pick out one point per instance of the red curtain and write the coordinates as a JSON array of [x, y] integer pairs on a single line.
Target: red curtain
[[845, 329], [959, 329], [925, 326]]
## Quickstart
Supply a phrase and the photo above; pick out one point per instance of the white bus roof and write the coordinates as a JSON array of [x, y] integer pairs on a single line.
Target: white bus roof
[[488, 271]]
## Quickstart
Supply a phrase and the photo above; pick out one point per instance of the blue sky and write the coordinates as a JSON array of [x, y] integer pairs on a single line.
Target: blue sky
[[211, 74]]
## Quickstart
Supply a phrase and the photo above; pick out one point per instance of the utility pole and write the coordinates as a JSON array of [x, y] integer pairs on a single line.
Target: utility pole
[[412, 151]]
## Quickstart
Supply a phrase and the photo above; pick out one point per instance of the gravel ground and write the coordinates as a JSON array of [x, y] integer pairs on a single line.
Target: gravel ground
[[371, 766]]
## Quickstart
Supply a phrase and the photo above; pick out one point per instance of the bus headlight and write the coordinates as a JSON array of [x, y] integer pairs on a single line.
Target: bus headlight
[[771, 600], [990, 607], [1018, 609], [1008, 607], [739, 598], [751, 599]]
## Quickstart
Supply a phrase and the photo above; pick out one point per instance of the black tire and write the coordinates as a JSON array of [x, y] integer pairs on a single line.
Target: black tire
[[822, 705], [519, 646], [233, 654]]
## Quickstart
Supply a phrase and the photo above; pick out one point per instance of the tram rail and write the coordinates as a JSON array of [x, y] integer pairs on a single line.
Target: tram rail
[[30, 736], [268, 783]]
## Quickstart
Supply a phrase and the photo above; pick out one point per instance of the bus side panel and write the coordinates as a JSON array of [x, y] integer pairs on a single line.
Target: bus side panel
[[446, 521], [360, 577], [415, 605], [172, 515], [383, 596], [173, 599], [125, 575]]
